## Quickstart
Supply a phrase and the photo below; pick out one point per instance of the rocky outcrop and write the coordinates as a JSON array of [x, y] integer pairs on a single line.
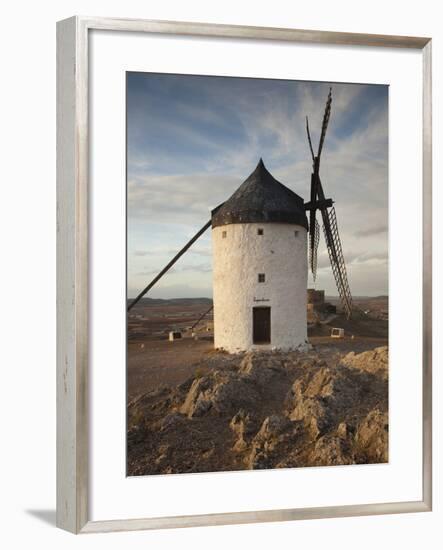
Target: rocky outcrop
[[326, 396], [330, 450], [244, 427], [275, 434], [371, 438], [220, 393], [265, 410], [375, 361], [262, 369]]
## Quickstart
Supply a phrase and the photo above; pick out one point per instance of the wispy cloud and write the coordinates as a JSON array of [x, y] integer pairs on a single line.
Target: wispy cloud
[[372, 231], [200, 268]]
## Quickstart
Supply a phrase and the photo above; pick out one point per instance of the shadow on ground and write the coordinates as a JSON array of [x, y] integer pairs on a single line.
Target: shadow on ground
[[46, 516]]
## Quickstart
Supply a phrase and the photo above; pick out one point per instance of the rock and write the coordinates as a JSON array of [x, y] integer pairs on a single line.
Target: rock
[[306, 400], [208, 453], [375, 361], [163, 454], [274, 426], [342, 430], [234, 393], [186, 385], [243, 427], [194, 398], [220, 393], [261, 368], [172, 421], [326, 397], [330, 450], [274, 433], [371, 438]]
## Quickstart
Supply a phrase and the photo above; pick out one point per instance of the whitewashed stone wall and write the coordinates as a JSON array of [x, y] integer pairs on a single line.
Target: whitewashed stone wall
[[237, 261]]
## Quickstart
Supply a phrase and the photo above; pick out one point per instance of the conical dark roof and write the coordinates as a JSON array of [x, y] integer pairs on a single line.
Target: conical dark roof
[[261, 199]]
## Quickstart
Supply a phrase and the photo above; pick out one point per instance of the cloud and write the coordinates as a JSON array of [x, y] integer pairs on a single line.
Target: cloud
[[372, 231], [153, 272], [142, 253], [354, 258], [201, 251], [200, 268], [193, 140], [177, 199], [168, 252]]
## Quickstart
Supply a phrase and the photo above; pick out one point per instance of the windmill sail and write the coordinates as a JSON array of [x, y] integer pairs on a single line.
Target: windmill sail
[[313, 249], [333, 243], [319, 202]]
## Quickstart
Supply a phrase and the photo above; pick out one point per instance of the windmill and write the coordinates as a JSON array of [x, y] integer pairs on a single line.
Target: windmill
[[263, 210], [329, 217]]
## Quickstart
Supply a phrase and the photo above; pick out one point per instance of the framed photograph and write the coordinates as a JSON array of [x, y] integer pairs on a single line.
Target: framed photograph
[[244, 274]]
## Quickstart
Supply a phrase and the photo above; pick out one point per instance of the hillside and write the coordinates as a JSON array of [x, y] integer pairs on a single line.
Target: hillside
[[264, 410]]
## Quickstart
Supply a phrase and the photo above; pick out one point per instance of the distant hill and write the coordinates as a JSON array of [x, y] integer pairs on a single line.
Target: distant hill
[[381, 297], [146, 302]]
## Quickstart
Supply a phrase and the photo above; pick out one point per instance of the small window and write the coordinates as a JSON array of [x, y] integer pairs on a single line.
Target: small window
[[296, 233], [261, 277], [260, 231], [224, 233]]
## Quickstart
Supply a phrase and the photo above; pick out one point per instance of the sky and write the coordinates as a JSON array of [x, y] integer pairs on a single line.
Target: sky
[[192, 141]]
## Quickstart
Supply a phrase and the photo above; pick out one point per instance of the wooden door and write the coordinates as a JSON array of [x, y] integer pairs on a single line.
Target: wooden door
[[261, 326]]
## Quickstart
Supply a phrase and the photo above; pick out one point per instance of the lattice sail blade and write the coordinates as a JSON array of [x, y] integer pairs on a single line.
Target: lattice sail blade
[[325, 123], [313, 250], [330, 228]]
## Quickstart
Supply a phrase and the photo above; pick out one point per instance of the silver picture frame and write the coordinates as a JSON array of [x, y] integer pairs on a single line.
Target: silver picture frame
[[72, 275]]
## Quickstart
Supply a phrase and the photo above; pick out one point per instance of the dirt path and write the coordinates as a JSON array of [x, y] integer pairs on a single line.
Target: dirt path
[[162, 362]]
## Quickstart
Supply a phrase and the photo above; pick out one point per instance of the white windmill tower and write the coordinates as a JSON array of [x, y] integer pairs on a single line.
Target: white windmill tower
[[259, 239]]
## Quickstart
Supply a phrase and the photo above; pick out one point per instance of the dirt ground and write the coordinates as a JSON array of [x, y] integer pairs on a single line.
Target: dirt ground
[[163, 363], [155, 361]]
